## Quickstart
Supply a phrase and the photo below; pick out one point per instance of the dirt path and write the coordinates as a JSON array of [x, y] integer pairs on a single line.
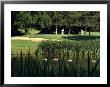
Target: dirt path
[[27, 38]]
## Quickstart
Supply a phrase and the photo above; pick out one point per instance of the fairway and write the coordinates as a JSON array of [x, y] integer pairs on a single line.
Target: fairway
[[25, 45], [17, 45]]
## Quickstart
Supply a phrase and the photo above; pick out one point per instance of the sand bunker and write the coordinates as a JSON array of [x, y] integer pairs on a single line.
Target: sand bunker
[[27, 38]]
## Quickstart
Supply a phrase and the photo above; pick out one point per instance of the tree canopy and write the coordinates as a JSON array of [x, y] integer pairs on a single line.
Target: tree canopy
[[48, 21]]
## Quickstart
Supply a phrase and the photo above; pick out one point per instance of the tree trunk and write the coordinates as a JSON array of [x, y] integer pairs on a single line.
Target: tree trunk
[[56, 30], [89, 32], [69, 31]]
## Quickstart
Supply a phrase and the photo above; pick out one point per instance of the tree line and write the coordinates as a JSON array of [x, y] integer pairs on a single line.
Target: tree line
[[48, 21]]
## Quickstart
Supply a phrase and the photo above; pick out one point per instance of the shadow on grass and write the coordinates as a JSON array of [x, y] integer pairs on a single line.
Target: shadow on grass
[[80, 37]]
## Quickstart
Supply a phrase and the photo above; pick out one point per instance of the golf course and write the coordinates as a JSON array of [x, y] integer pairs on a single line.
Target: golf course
[[49, 44]]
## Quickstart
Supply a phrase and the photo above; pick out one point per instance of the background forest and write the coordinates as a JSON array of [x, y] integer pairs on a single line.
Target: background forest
[[47, 21]]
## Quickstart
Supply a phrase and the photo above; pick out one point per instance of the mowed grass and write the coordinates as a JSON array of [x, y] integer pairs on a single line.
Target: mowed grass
[[24, 45], [58, 36], [46, 36], [18, 45]]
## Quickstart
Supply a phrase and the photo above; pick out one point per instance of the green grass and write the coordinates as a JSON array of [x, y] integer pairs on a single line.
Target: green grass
[[46, 36], [33, 31], [18, 45], [30, 31], [58, 36], [93, 33]]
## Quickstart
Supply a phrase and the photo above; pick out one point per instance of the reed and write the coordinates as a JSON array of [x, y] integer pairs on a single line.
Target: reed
[[59, 59]]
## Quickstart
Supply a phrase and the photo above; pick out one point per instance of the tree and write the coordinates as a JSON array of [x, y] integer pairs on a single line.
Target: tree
[[44, 21], [49, 21]]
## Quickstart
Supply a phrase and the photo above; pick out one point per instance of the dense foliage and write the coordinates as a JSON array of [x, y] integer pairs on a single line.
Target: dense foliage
[[48, 21]]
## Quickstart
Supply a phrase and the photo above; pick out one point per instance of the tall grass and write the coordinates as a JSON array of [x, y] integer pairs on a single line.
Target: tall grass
[[59, 59]]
